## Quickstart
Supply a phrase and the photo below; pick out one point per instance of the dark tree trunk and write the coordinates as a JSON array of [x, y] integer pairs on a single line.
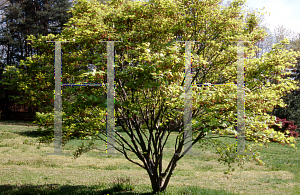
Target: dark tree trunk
[[8, 53], [159, 183]]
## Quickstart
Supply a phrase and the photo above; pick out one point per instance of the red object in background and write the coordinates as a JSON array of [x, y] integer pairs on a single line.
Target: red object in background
[[286, 125]]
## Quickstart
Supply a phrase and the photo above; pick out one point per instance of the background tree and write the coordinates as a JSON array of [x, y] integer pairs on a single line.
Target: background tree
[[280, 32], [19, 19], [3, 3], [23, 18], [292, 100], [291, 111], [150, 76], [295, 43], [266, 44]]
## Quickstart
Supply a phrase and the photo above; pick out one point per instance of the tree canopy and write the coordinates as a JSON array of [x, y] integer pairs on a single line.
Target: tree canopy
[[19, 19], [149, 76]]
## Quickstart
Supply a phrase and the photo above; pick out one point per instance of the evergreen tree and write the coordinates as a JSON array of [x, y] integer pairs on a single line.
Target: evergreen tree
[[29, 17], [21, 18]]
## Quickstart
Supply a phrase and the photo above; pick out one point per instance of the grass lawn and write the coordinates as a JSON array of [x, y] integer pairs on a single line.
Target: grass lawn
[[26, 169]]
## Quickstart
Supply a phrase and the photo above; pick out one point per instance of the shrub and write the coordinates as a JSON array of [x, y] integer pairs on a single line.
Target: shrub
[[288, 127], [79, 125]]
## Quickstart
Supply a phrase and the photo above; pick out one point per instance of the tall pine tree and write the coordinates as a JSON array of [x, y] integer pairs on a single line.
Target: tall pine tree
[[30, 17], [21, 18]]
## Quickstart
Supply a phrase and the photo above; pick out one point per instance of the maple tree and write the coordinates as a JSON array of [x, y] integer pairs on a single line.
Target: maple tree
[[287, 127], [149, 66]]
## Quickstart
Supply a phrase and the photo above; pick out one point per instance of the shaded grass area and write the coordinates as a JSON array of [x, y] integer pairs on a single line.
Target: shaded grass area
[[94, 190], [26, 169], [58, 189]]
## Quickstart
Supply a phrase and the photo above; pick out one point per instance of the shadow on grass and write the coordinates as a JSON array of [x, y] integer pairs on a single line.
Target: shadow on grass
[[38, 134], [32, 134], [29, 133], [17, 122], [55, 189]]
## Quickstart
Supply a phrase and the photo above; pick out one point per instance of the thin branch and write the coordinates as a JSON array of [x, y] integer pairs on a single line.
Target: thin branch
[[126, 156], [166, 139], [197, 139]]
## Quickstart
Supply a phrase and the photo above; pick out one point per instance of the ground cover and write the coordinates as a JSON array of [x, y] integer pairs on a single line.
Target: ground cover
[[26, 169]]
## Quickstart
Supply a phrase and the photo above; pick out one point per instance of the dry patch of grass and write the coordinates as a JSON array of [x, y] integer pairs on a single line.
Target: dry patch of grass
[[26, 162]]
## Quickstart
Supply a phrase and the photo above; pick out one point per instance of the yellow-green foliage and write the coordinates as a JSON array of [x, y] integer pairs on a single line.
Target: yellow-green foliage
[[147, 32]]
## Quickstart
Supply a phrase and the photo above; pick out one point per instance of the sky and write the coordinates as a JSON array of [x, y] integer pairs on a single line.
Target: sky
[[280, 12]]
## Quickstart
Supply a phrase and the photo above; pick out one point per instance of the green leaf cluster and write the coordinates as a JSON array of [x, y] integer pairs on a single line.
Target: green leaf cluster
[[149, 68]]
